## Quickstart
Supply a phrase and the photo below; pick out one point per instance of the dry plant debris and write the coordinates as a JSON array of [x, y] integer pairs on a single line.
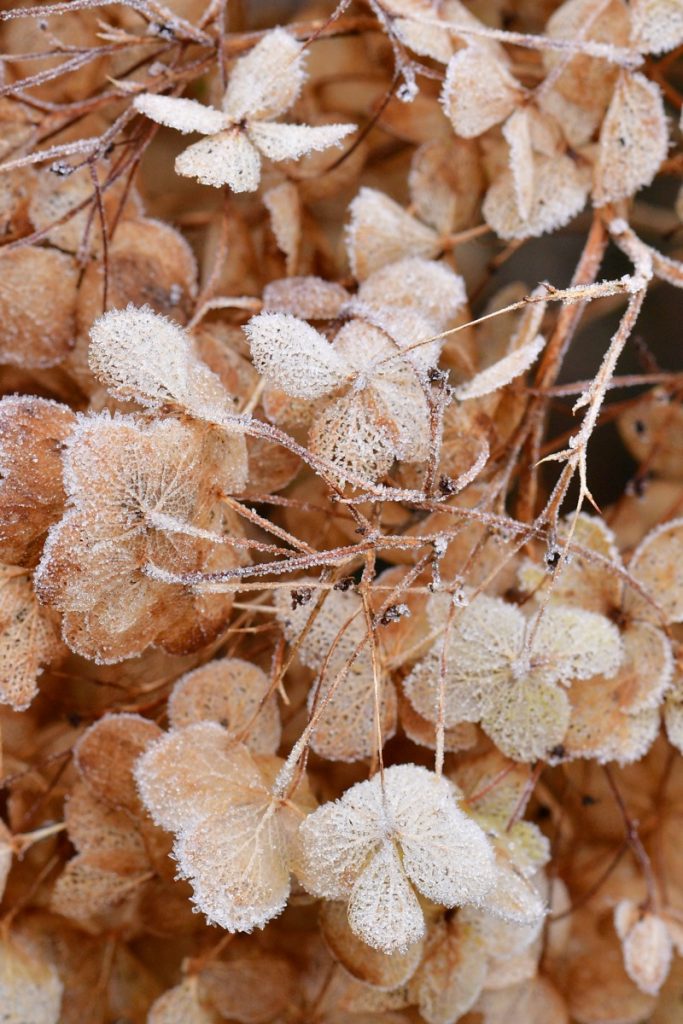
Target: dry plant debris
[[341, 512]]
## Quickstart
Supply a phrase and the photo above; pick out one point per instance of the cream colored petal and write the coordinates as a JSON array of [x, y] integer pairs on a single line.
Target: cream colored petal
[[228, 158], [183, 115], [290, 141], [633, 139], [658, 566], [527, 719], [452, 973], [657, 25], [380, 232], [293, 356], [383, 909], [560, 193], [479, 91], [267, 80]]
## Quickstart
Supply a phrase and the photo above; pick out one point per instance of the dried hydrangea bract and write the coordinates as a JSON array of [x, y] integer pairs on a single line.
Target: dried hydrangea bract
[[341, 495]]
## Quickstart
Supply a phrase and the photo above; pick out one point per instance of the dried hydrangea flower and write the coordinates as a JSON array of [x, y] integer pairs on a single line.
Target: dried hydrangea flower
[[382, 412], [30, 988], [235, 840], [503, 670], [380, 231], [140, 494], [181, 1004], [385, 840], [263, 85]]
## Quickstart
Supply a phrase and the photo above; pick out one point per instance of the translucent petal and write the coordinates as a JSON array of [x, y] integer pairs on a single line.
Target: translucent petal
[[364, 962], [284, 207], [349, 434], [425, 40], [381, 232], [106, 753], [452, 972], [254, 989], [633, 139], [560, 193], [28, 639], [310, 298], [383, 909], [513, 897], [347, 730], [228, 691], [446, 182], [599, 729], [536, 1001], [228, 158], [479, 91], [267, 80], [290, 141], [293, 356], [183, 115]]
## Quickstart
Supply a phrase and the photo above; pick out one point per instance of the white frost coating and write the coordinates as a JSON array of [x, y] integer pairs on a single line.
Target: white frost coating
[[381, 232], [224, 159], [657, 25], [351, 851], [293, 356], [267, 80], [560, 191], [182, 114], [502, 372]]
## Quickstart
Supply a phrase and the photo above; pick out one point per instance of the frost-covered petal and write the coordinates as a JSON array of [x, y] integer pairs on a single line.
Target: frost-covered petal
[[527, 718], [479, 91], [657, 564], [445, 854], [310, 298], [570, 643], [452, 973], [290, 141], [648, 951], [347, 730], [284, 206], [349, 434], [236, 861], [657, 25], [182, 114], [633, 139], [228, 158], [267, 80], [503, 372], [560, 193], [293, 356], [425, 40], [383, 909], [381, 232]]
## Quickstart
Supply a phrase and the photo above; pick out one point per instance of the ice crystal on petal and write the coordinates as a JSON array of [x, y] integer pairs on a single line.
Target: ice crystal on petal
[[263, 84], [633, 139], [293, 356], [657, 25], [479, 91], [183, 115], [381, 232], [310, 298], [351, 851], [228, 691], [140, 494]]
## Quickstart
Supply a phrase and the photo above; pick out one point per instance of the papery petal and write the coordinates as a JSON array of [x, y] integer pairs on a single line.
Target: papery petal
[[182, 114], [225, 159]]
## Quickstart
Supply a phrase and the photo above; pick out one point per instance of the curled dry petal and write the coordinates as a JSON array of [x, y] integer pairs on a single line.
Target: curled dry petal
[[502, 372]]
